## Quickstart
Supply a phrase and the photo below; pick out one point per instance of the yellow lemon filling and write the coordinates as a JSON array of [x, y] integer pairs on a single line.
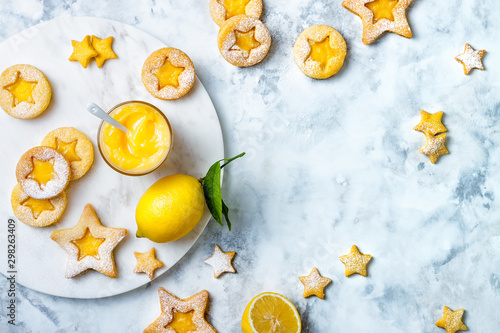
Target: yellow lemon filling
[[38, 206], [322, 51], [88, 245], [246, 40], [182, 322], [43, 171], [68, 150], [144, 146], [22, 91], [235, 7], [168, 75], [382, 9]]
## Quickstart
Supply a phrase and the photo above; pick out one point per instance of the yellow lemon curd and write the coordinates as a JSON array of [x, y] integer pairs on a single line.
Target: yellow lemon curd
[[146, 144], [382, 9], [246, 40], [168, 75], [22, 91], [68, 150], [43, 171], [235, 7], [182, 322], [38, 206], [88, 245], [322, 51]]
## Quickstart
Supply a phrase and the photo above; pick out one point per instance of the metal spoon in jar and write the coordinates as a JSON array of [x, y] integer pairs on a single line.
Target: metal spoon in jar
[[100, 113]]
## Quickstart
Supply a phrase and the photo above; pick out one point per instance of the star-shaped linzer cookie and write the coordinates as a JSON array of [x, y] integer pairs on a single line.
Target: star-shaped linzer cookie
[[434, 147], [89, 245], [104, 50], [181, 315], [221, 261], [431, 123], [452, 320], [471, 59], [355, 262], [314, 284], [83, 51], [147, 263], [379, 16]]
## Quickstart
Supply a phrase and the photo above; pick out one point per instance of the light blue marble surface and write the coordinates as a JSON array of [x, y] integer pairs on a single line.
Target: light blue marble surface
[[329, 164]]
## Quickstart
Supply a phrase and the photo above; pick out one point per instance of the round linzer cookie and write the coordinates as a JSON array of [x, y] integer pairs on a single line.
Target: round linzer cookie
[[37, 212], [76, 148], [25, 92], [168, 73], [223, 10], [244, 41], [42, 173], [320, 51]]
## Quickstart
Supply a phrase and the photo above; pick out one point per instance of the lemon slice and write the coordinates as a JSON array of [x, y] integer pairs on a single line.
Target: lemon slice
[[270, 313]]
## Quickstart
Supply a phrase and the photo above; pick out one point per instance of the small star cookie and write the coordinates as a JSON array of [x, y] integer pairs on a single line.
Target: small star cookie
[[104, 50], [221, 261], [355, 262], [186, 315], [431, 123], [89, 245], [452, 320], [314, 284], [471, 59], [379, 16], [83, 51], [434, 147], [147, 263]]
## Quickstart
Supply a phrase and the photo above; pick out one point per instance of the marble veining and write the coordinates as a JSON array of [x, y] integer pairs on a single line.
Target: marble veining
[[329, 164]]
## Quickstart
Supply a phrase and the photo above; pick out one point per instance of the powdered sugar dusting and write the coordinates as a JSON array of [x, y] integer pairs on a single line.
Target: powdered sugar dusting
[[221, 261], [371, 31], [471, 59], [227, 40], [55, 185], [219, 13]]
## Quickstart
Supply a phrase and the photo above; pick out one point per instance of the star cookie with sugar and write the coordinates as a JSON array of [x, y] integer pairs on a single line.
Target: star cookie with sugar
[[103, 49], [314, 284], [430, 123], [471, 59], [83, 51], [355, 262], [452, 320], [147, 263], [181, 315], [89, 245], [434, 147], [379, 16], [221, 261]]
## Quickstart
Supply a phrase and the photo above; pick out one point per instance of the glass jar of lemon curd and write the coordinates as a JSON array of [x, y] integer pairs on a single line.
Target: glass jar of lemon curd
[[145, 146]]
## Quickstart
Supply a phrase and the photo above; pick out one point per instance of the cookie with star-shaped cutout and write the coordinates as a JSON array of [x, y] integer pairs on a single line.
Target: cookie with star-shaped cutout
[[379, 16], [223, 10], [168, 73], [320, 51], [89, 245], [76, 148], [25, 92], [243, 41], [181, 315], [42, 172]]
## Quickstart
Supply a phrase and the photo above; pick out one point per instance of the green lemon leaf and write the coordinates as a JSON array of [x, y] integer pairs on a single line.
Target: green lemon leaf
[[212, 190]]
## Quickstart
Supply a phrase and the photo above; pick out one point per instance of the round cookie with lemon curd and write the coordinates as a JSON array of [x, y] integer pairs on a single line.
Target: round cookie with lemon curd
[[168, 73], [244, 41], [42, 173], [76, 148], [25, 92], [223, 10], [320, 51], [37, 212], [270, 312]]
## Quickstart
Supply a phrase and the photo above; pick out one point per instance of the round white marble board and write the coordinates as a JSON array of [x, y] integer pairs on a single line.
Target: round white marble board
[[40, 262]]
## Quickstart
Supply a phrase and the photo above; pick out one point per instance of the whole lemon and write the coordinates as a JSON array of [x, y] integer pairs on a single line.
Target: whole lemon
[[170, 208]]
